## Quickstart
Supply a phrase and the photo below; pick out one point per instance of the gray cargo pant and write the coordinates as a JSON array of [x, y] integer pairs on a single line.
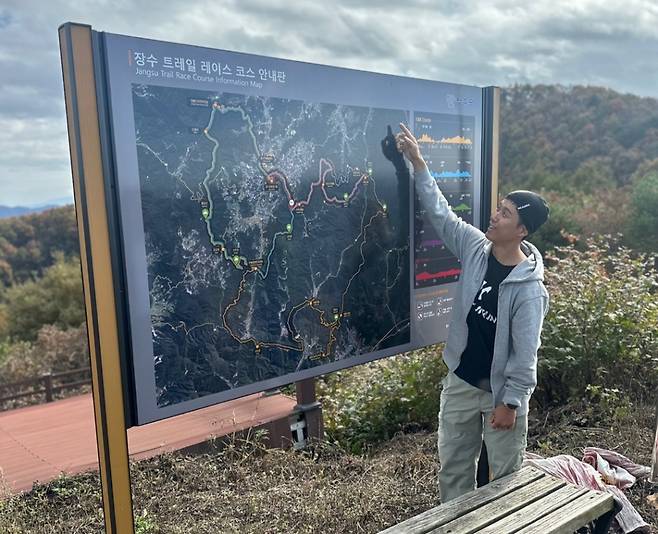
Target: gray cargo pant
[[464, 418]]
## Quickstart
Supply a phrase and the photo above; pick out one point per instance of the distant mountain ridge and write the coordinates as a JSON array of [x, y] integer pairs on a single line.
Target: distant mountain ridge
[[17, 211]]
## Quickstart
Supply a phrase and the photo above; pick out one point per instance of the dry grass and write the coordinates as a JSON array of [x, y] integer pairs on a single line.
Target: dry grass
[[245, 488]]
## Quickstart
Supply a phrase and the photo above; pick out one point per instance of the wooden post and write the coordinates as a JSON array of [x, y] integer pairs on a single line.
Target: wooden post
[[48, 386], [310, 408], [306, 391]]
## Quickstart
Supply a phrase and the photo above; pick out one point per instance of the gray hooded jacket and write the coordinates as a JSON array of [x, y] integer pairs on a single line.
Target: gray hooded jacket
[[522, 301]]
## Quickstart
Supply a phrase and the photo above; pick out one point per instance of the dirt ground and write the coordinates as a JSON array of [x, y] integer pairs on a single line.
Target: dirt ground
[[244, 488]]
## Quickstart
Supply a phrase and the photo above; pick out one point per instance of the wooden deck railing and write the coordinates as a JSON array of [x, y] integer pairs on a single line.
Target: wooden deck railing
[[47, 385]]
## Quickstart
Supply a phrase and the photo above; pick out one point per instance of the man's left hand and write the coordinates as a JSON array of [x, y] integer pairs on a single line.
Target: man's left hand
[[503, 418]]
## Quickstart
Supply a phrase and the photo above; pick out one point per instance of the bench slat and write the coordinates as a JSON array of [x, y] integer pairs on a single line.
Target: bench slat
[[572, 516], [439, 515], [481, 517], [535, 511]]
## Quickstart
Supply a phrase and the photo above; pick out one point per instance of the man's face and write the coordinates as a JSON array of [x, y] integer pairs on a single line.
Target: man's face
[[505, 225]]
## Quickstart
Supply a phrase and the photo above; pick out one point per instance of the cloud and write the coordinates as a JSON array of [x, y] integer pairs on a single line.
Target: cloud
[[5, 19], [34, 164], [499, 42]]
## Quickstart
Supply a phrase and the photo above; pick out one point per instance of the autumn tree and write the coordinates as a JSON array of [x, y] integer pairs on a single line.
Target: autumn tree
[[55, 299]]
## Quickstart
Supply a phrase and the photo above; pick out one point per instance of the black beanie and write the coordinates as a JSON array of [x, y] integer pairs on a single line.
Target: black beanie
[[533, 209]]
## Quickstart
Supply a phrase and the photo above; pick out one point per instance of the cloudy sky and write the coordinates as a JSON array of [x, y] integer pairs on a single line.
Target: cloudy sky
[[612, 43]]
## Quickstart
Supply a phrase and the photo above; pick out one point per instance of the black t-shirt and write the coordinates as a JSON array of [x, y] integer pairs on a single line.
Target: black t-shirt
[[475, 364]]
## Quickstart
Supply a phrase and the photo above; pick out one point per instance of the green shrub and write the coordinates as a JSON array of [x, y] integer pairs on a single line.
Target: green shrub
[[642, 218], [602, 328], [578, 213], [55, 299], [372, 402], [4, 350], [145, 523], [53, 351]]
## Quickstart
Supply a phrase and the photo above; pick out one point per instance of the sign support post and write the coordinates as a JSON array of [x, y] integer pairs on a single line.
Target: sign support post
[[89, 186], [490, 163], [491, 150], [310, 408]]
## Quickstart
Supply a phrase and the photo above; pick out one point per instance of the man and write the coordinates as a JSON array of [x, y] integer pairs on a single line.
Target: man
[[494, 334]]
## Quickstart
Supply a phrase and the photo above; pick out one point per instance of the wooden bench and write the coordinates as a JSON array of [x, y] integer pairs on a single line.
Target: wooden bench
[[525, 502]]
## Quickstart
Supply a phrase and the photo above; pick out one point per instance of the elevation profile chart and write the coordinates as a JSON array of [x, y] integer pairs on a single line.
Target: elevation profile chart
[[446, 143]]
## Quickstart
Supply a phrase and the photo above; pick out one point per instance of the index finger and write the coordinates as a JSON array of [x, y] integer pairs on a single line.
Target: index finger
[[406, 130]]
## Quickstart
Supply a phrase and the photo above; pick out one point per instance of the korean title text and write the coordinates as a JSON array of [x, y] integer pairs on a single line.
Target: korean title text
[[181, 68]]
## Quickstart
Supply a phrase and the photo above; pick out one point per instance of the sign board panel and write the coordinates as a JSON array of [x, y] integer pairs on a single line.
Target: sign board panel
[[265, 238]]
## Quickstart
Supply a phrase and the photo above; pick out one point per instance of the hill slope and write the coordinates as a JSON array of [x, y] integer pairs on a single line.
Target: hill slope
[[554, 136], [28, 243]]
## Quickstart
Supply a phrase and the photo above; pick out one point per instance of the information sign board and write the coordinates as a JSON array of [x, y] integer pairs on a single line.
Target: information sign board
[[265, 237]]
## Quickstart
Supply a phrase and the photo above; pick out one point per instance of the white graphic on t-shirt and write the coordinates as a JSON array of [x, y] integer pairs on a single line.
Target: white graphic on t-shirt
[[484, 289], [479, 310], [488, 316]]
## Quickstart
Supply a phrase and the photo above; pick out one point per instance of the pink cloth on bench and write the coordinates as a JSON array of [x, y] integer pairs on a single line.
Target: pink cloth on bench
[[584, 475]]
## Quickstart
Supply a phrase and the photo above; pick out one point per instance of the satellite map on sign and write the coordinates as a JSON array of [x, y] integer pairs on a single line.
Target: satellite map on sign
[[277, 236]]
